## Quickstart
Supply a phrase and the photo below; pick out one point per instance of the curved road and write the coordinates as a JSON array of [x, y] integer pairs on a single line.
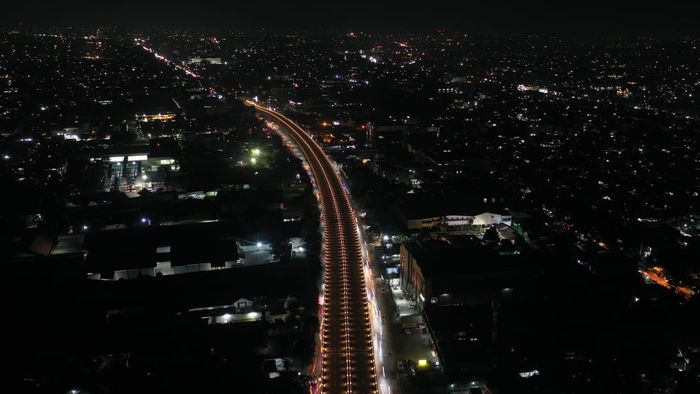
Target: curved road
[[348, 362]]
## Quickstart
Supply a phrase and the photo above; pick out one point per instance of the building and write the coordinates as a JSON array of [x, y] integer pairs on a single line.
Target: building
[[488, 219], [133, 168], [387, 137], [204, 60], [439, 219], [149, 251], [163, 116], [461, 272], [454, 212]]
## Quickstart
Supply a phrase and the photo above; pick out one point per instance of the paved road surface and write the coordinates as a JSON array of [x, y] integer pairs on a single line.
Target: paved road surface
[[348, 362]]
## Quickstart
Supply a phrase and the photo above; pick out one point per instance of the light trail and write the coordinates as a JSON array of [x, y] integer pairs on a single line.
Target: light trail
[[142, 43], [658, 276], [347, 340]]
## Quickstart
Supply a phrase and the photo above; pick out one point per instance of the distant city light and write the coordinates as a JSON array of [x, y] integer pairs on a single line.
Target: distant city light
[[512, 151]]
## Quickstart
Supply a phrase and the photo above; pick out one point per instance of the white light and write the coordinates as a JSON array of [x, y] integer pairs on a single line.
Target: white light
[[144, 177], [143, 220], [301, 249], [259, 244], [138, 158], [226, 316], [116, 159], [386, 238], [85, 227], [529, 374]]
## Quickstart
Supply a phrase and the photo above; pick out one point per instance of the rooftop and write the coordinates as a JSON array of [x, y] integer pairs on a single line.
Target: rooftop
[[445, 262]]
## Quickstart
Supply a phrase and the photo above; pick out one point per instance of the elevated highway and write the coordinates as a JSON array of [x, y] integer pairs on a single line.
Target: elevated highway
[[348, 361]]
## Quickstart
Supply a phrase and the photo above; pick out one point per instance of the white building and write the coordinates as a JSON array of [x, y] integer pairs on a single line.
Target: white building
[[488, 219], [458, 222]]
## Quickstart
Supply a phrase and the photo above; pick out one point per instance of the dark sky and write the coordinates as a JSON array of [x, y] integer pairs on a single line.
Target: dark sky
[[488, 15]]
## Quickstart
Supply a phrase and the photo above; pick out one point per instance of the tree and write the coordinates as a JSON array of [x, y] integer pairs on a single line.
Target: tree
[[491, 237]]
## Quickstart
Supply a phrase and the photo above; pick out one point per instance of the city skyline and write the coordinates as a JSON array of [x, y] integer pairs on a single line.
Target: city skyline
[[303, 198], [501, 16]]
